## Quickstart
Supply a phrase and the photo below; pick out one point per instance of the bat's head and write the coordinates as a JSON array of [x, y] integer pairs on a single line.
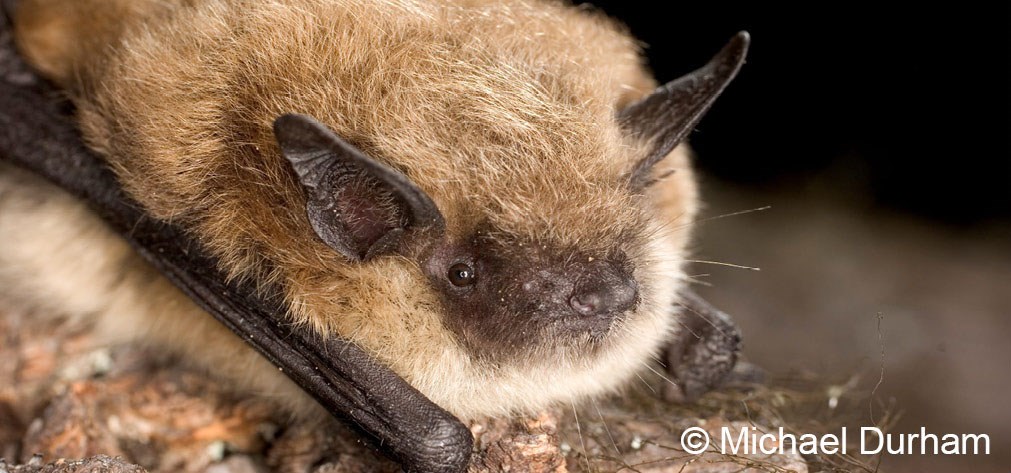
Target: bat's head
[[517, 272], [535, 270]]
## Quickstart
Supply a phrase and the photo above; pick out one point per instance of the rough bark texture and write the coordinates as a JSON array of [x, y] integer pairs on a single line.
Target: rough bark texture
[[69, 405], [95, 464]]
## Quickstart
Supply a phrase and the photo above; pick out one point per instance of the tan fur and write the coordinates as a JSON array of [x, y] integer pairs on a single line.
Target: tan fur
[[501, 111]]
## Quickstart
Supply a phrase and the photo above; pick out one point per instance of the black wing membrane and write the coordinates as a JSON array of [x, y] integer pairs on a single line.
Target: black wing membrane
[[36, 133]]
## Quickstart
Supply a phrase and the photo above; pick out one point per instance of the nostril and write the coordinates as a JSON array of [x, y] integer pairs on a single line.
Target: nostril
[[585, 304], [604, 298]]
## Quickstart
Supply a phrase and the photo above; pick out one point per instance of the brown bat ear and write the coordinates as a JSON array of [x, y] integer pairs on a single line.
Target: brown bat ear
[[357, 205], [668, 114]]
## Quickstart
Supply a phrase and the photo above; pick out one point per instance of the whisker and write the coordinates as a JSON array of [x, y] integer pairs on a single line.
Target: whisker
[[731, 214], [881, 376], [660, 375], [699, 282], [613, 443], [703, 317], [644, 382], [667, 227], [689, 329], [720, 263], [579, 431], [700, 275]]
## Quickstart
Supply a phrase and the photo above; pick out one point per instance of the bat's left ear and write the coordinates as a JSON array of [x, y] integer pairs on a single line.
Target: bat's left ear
[[358, 206], [667, 115]]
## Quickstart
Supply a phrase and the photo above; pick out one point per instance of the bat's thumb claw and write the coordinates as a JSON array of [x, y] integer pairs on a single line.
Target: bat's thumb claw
[[703, 353]]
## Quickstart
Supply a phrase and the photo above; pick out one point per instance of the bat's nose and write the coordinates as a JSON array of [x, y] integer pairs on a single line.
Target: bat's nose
[[607, 293]]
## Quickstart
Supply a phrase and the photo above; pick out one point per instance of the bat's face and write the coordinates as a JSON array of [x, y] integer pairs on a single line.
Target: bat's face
[[547, 321], [487, 297], [541, 320]]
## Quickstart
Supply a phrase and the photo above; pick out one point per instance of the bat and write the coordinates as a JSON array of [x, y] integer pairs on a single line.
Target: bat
[[416, 212]]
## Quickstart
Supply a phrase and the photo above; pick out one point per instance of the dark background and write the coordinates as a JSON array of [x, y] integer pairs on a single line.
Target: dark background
[[904, 109]]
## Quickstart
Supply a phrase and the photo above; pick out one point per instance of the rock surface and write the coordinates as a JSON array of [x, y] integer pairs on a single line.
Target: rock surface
[[70, 405], [95, 464]]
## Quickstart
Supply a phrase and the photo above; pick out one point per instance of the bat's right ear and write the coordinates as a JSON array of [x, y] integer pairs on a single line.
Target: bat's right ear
[[667, 115], [357, 205]]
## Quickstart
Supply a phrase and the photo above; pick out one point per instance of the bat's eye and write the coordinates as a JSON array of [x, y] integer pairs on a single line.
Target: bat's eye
[[462, 274]]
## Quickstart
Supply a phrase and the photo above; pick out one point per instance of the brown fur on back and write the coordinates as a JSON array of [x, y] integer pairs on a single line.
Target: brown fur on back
[[503, 112]]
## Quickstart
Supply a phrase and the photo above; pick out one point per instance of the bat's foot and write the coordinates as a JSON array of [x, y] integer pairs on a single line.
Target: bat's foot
[[704, 352]]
